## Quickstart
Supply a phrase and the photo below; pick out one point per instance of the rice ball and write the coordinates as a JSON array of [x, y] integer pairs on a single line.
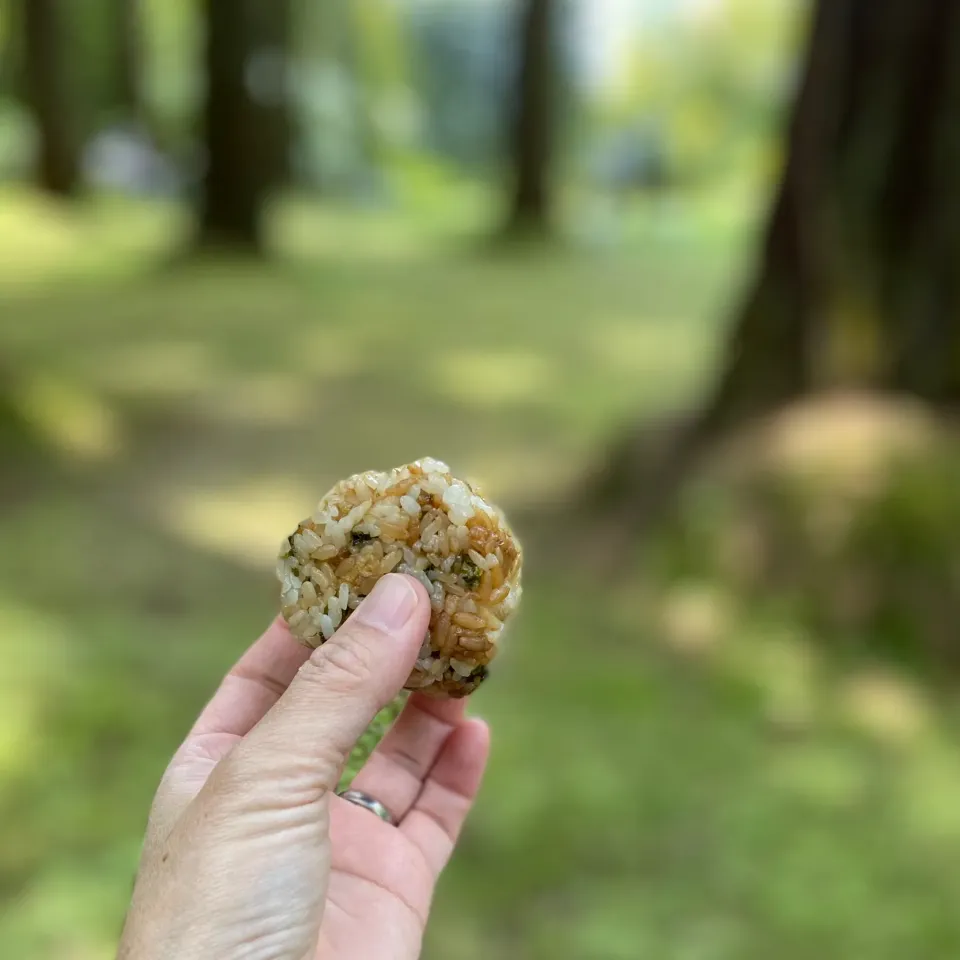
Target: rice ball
[[419, 520]]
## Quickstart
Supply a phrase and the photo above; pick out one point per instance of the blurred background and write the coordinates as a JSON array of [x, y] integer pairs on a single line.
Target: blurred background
[[678, 282]]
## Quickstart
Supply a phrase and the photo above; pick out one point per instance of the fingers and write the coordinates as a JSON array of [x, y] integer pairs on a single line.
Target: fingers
[[395, 771], [341, 687], [254, 684], [437, 817], [245, 695]]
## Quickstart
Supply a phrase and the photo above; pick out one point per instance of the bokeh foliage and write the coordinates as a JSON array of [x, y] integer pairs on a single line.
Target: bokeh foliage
[[742, 748]]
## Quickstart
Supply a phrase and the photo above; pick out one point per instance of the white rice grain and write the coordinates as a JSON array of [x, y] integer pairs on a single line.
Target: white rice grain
[[390, 561], [312, 540], [478, 559], [461, 668], [335, 613], [435, 485]]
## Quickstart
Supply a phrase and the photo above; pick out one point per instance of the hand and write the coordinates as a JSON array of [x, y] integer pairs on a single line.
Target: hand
[[250, 854]]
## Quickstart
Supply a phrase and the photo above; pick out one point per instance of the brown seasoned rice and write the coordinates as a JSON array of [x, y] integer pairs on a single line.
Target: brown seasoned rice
[[419, 520]]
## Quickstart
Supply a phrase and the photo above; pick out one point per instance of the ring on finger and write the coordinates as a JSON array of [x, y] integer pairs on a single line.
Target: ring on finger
[[361, 799]]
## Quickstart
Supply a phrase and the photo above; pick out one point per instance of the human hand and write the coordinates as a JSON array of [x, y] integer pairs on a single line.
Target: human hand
[[249, 853]]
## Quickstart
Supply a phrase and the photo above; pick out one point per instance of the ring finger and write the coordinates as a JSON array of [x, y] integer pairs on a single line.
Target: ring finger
[[395, 772]]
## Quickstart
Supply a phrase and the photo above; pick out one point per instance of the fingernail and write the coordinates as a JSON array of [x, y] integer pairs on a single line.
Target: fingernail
[[390, 605]]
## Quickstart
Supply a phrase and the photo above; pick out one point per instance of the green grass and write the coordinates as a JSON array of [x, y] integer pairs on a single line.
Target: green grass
[[640, 803]]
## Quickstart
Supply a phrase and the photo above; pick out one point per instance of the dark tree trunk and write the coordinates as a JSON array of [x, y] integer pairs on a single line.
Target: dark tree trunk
[[532, 130], [857, 281], [246, 120], [769, 357], [918, 238], [47, 85], [128, 53]]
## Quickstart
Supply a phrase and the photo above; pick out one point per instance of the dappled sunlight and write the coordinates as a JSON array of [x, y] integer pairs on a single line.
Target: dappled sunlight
[[693, 618], [155, 369], [263, 399], [36, 236], [889, 707], [724, 727], [244, 522], [70, 417], [518, 475], [660, 348], [384, 232], [43, 241], [493, 379], [657, 741], [849, 441], [308, 231], [316, 351]]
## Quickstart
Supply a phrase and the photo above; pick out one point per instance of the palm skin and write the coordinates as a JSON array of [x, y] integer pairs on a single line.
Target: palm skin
[[249, 852]]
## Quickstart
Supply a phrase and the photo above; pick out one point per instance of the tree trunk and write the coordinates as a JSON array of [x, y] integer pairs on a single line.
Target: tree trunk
[[246, 122], [858, 284], [531, 139], [771, 353], [128, 53], [48, 84], [857, 281], [918, 246]]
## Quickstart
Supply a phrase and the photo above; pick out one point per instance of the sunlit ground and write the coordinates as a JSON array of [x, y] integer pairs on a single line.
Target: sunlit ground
[[686, 781]]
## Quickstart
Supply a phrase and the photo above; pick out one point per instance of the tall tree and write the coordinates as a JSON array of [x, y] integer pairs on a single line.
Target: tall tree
[[532, 119], [857, 281], [245, 118], [48, 86], [126, 82]]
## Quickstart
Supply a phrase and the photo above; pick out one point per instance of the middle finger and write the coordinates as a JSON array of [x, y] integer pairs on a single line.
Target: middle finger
[[395, 771]]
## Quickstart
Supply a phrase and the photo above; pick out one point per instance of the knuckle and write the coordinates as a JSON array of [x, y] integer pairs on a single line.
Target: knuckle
[[347, 662]]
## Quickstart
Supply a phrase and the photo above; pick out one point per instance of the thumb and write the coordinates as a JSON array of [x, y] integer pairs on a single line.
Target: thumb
[[309, 733]]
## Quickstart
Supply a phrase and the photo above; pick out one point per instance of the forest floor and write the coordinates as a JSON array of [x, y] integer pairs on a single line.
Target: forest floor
[[643, 801]]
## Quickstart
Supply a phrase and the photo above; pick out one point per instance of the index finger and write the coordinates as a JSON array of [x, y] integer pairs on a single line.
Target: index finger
[[254, 684]]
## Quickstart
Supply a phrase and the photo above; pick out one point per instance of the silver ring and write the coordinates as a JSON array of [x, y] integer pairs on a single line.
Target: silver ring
[[368, 803]]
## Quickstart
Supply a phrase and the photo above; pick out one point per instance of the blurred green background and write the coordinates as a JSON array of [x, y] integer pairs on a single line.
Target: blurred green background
[[675, 280]]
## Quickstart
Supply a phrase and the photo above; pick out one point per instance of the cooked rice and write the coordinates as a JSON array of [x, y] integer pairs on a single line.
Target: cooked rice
[[422, 521]]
